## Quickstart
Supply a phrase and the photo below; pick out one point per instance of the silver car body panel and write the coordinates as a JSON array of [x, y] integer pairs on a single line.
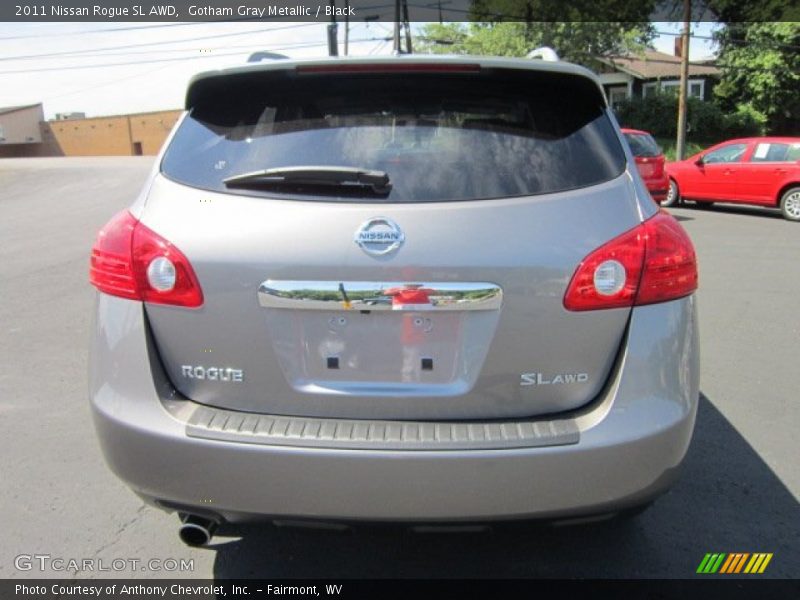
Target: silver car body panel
[[268, 447], [633, 437], [542, 240]]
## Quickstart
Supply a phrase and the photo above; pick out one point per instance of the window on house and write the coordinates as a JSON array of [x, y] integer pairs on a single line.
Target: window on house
[[616, 95], [696, 87]]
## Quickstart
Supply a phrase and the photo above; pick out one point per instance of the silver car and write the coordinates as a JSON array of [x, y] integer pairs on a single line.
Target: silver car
[[416, 289]]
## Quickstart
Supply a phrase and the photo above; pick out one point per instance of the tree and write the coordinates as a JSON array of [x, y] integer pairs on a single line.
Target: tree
[[578, 30], [576, 41], [760, 64]]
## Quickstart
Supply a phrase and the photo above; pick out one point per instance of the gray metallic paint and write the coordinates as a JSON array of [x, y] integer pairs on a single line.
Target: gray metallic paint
[[634, 429], [542, 240], [633, 438]]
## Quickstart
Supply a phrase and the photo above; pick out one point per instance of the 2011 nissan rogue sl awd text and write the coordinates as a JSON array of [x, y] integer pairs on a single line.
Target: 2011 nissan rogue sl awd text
[[416, 289]]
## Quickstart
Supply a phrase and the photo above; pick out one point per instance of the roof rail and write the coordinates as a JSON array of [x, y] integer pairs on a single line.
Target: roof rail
[[259, 56], [544, 53]]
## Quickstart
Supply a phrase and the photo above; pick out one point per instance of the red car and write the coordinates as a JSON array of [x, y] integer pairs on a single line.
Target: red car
[[649, 161], [763, 171]]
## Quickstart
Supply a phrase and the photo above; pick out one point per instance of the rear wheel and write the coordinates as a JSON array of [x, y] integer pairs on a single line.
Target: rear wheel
[[673, 195], [790, 204]]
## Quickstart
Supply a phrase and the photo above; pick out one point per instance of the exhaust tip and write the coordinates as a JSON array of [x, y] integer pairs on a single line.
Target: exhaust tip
[[196, 531]]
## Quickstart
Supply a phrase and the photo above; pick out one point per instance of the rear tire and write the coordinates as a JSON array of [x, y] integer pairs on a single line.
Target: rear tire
[[790, 204], [673, 195]]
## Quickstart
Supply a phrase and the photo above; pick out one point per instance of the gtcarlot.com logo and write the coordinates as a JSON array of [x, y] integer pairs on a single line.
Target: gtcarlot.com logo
[[734, 563], [47, 562]]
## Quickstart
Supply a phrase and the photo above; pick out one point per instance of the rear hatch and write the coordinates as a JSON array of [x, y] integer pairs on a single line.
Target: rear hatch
[[331, 292]]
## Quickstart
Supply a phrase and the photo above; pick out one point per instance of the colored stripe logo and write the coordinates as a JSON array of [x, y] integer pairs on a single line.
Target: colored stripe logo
[[735, 562]]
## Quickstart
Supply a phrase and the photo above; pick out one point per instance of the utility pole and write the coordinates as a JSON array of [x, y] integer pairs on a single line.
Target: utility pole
[[396, 48], [407, 25], [346, 27], [680, 143], [333, 38]]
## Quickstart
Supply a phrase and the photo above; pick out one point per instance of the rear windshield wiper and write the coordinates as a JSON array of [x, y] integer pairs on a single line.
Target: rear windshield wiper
[[334, 177]]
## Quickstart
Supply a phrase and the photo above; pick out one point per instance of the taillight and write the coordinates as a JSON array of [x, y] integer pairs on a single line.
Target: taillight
[[132, 261], [654, 262]]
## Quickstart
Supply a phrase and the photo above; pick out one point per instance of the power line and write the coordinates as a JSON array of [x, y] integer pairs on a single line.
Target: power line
[[169, 51], [106, 30], [159, 43], [162, 60], [742, 42]]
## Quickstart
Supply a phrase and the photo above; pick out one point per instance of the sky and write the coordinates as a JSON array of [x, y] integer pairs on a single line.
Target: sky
[[117, 68]]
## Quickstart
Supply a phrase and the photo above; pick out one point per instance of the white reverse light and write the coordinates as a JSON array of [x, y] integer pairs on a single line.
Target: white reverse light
[[161, 274], [609, 277]]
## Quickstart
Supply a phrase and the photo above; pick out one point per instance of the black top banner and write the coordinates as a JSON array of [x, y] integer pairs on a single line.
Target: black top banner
[[394, 10]]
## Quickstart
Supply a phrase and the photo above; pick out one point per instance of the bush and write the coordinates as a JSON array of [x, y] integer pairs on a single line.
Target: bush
[[746, 122], [658, 114]]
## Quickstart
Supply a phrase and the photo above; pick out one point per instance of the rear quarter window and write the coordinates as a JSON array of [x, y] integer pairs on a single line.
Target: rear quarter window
[[439, 136]]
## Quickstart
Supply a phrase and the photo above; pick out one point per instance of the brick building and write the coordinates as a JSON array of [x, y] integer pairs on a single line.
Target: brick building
[[120, 135]]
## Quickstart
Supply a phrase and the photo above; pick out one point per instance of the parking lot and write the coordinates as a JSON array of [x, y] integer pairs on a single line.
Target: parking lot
[[738, 493]]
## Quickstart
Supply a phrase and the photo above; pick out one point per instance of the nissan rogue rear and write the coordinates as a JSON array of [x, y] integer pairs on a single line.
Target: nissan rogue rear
[[416, 289]]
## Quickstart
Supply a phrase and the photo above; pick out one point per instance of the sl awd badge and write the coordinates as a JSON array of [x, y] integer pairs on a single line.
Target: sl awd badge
[[557, 379], [379, 236]]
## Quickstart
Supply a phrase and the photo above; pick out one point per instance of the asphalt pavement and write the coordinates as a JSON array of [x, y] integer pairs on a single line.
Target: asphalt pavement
[[738, 492]]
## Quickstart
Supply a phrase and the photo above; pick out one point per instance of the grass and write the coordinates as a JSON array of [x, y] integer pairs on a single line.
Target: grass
[[692, 147]]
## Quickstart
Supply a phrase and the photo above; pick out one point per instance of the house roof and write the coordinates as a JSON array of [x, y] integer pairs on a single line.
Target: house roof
[[657, 65], [10, 109]]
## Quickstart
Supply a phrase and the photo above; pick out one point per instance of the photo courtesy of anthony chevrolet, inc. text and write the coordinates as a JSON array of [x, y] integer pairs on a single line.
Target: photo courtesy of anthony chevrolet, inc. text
[[391, 298]]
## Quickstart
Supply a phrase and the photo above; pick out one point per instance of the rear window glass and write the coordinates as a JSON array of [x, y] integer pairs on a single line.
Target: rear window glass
[[438, 136], [643, 145]]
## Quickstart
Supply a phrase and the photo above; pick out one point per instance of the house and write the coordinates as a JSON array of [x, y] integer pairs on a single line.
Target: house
[[636, 76]]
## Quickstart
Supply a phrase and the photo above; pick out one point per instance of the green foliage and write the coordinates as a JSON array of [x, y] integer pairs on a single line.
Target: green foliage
[[741, 11], [746, 121], [760, 64], [692, 146], [576, 41], [658, 114], [559, 10]]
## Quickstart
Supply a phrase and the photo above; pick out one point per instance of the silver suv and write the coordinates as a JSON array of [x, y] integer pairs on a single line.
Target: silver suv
[[407, 288]]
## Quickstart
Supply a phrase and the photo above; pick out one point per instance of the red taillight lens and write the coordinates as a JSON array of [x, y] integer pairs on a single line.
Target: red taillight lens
[[122, 254], [110, 267], [670, 264], [658, 166], [654, 262]]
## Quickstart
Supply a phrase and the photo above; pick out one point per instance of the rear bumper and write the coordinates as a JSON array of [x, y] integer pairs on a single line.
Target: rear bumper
[[659, 195], [631, 443], [658, 188]]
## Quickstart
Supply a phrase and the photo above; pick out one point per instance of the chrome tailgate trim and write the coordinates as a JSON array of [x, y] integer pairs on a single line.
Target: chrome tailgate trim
[[378, 296]]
